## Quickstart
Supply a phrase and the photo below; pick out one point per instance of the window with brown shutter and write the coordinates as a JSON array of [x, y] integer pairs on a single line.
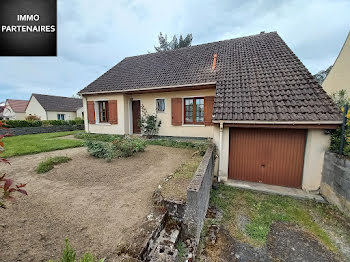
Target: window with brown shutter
[[91, 112], [176, 111], [194, 110], [208, 110], [113, 111]]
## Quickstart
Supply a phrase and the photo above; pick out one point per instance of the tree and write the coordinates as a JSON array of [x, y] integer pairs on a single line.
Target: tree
[[165, 45], [321, 76], [340, 98]]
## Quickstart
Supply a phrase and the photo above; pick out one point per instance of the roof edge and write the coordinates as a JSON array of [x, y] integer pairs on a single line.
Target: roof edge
[[279, 122], [147, 88]]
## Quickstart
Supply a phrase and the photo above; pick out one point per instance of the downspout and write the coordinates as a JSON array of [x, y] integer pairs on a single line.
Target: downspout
[[220, 149]]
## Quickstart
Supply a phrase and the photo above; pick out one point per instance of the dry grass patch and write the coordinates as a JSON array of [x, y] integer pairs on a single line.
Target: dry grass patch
[[175, 186]]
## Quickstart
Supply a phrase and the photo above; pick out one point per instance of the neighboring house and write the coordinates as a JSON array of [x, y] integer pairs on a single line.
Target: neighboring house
[[55, 107], [339, 76], [15, 109], [252, 95], [2, 107]]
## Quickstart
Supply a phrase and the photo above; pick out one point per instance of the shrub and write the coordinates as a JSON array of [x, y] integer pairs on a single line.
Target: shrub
[[22, 123], [32, 118], [149, 123], [70, 256], [101, 149], [120, 147], [48, 164]]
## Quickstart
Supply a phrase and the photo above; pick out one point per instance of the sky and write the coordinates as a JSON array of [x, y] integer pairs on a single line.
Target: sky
[[93, 36]]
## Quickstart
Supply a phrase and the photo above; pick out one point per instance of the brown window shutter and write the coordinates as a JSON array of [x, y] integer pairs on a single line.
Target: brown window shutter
[[208, 110], [113, 111], [91, 112], [176, 111]]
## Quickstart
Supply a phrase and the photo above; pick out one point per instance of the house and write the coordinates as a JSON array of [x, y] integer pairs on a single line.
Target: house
[[251, 95], [15, 109], [49, 107], [2, 107], [339, 76]]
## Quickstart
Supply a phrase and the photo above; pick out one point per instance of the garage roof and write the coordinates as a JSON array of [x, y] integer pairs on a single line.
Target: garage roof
[[258, 78]]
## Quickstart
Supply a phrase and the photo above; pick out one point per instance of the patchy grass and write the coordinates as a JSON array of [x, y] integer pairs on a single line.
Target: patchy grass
[[33, 144], [176, 187], [248, 215], [48, 164], [198, 146], [181, 251], [97, 137]]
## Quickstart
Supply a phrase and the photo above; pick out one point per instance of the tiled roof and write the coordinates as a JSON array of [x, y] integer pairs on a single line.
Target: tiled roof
[[59, 103], [258, 78], [18, 106]]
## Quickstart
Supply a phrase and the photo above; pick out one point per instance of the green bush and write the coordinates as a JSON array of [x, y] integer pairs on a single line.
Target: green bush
[[21, 123], [48, 164], [120, 147], [101, 149], [70, 256], [36, 123]]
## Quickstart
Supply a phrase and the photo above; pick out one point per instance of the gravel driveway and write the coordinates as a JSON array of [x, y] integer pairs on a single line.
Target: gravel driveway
[[90, 201]]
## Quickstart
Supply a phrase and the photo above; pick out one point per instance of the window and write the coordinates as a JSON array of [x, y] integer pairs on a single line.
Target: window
[[103, 111], [60, 116], [160, 105], [194, 110]]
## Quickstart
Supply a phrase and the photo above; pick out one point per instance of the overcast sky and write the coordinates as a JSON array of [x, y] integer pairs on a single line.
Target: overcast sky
[[95, 35]]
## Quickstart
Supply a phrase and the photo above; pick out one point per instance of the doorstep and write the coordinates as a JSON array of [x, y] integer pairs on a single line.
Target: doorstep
[[278, 190]]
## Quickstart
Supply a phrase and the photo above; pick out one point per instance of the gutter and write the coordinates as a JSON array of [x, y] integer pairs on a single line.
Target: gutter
[[147, 88]]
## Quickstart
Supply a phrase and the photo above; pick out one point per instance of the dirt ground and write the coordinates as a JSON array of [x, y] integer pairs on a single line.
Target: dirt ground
[[90, 201]]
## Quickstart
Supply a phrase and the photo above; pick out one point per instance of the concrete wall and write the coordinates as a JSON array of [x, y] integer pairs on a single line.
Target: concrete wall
[[198, 194], [339, 76], [335, 186], [34, 108], [317, 143], [148, 100], [40, 129]]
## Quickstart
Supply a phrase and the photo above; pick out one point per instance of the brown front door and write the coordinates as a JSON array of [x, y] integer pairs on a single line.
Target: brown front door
[[136, 116], [269, 156]]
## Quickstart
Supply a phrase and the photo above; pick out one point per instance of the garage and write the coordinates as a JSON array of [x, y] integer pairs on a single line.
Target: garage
[[269, 156]]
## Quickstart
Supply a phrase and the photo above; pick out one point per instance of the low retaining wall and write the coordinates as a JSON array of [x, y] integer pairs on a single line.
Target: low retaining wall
[[335, 185], [40, 129], [198, 194]]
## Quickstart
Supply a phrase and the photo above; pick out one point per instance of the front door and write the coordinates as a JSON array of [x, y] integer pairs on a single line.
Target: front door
[[136, 116]]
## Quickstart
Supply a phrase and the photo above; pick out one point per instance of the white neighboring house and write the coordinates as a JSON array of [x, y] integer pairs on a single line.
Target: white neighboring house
[[49, 107], [15, 109]]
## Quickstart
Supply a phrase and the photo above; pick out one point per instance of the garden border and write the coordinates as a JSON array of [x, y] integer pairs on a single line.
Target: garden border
[[40, 129]]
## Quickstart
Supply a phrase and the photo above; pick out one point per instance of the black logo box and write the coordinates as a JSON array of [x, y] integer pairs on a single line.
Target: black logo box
[[28, 43]]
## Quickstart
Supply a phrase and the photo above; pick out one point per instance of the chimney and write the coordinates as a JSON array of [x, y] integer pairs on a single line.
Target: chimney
[[214, 61]]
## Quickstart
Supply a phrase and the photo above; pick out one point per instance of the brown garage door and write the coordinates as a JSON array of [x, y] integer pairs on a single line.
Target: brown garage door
[[269, 156]]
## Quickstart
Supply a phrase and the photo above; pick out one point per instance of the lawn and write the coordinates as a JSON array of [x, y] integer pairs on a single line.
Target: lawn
[[248, 216], [33, 144]]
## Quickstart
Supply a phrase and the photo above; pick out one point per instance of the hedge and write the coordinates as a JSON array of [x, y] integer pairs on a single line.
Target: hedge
[[36, 123]]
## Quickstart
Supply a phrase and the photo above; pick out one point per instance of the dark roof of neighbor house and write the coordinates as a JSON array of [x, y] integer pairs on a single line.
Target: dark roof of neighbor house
[[258, 78], [18, 106], [59, 103]]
